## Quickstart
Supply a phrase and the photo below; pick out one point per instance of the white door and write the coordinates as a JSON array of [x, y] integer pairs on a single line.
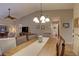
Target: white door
[[54, 30]]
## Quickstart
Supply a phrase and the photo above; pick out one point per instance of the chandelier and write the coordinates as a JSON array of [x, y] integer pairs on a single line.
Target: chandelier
[[42, 19]]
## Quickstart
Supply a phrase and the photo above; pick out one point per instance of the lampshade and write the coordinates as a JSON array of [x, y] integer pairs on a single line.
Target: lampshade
[[47, 19], [42, 18], [43, 21], [36, 20]]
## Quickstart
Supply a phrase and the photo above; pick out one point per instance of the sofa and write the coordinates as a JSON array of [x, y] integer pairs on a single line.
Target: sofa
[[20, 39], [23, 38]]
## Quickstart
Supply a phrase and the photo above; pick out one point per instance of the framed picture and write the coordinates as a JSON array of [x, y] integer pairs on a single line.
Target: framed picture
[[66, 25], [42, 27]]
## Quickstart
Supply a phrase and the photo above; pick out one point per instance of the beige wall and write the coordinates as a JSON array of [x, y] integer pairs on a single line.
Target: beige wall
[[65, 16], [76, 10], [67, 32]]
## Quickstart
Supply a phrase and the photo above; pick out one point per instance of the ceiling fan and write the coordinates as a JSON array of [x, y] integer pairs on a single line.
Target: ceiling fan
[[9, 16]]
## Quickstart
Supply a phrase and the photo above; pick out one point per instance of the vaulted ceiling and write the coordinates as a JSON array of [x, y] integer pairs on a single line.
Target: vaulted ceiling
[[21, 9]]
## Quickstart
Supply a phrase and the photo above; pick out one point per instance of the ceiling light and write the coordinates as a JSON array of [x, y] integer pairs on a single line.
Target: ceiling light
[[42, 18], [43, 21], [47, 19], [9, 16], [36, 20]]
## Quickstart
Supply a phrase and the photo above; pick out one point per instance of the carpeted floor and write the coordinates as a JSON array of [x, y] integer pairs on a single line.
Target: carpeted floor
[[69, 50]]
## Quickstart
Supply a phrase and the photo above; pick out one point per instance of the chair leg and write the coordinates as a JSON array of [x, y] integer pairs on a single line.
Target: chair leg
[[63, 49], [57, 49]]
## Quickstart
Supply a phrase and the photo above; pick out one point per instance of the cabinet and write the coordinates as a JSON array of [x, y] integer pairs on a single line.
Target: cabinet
[[76, 36], [76, 41]]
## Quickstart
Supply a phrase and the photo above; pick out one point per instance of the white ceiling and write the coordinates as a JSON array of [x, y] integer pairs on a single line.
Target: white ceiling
[[21, 9]]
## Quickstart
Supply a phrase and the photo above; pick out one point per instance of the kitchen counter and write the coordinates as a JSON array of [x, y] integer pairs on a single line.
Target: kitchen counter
[[7, 43]]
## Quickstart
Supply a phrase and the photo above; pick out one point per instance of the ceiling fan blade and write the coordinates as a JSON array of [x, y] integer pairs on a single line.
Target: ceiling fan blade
[[10, 17]]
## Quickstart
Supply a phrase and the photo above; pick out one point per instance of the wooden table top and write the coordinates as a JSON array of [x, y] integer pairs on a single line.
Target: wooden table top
[[48, 50], [19, 47]]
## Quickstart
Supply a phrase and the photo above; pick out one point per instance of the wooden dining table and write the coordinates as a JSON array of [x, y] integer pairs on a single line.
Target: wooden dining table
[[49, 49]]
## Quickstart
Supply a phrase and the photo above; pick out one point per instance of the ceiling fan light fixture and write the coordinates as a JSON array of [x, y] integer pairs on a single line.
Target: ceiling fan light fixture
[[9, 16]]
